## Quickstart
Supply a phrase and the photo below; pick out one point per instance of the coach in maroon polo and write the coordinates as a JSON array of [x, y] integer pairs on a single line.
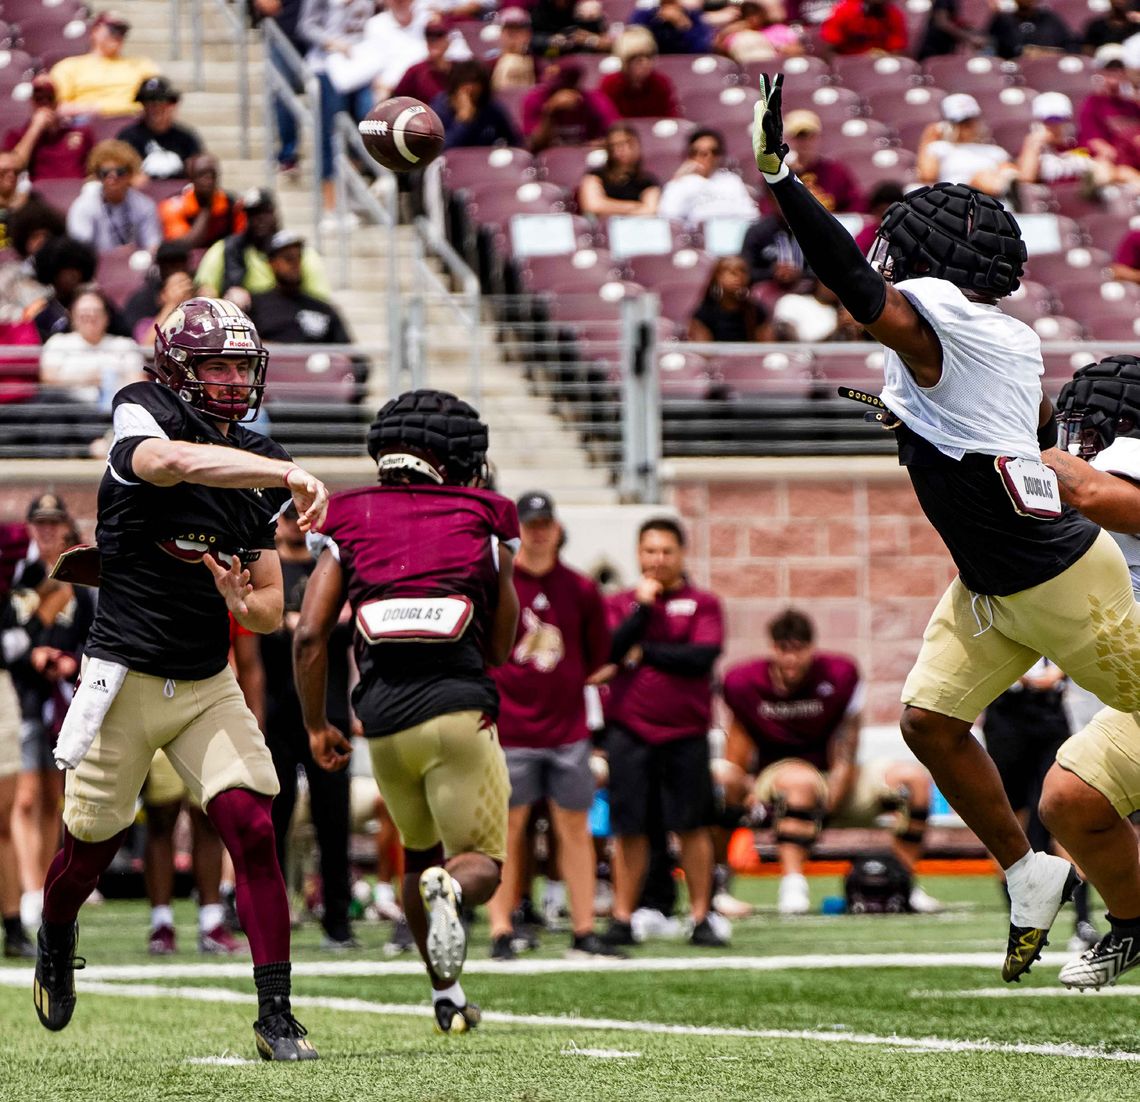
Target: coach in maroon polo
[[667, 637]]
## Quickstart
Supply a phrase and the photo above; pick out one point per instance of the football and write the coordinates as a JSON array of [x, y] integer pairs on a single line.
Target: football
[[402, 134]]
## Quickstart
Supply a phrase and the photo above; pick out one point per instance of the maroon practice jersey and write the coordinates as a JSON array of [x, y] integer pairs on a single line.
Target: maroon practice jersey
[[562, 639], [799, 724], [655, 705], [419, 542]]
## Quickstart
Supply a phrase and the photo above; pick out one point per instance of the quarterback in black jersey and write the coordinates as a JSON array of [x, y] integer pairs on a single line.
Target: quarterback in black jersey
[[185, 533]]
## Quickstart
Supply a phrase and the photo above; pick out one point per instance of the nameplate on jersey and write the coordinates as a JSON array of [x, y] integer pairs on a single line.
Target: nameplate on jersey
[[1032, 486], [414, 619]]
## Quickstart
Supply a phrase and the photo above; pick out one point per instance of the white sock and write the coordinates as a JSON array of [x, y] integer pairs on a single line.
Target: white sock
[[384, 893], [161, 915], [210, 916], [454, 993], [1019, 869], [225, 887]]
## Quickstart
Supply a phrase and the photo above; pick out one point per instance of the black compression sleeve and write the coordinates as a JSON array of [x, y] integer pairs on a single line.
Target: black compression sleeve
[[686, 659], [629, 632], [831, 251]]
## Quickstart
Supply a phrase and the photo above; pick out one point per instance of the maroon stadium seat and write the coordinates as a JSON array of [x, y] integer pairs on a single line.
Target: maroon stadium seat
[[908, 112], [121, 272], [1108, 311], [684, 375], [1068, 73], [858, 136], [663, 138], [806, 70], [877, 166], [466, 168], [680, 297], [719, 107], [691, 71], [1005, 104], [1029, 302], [1107, 228], [858, 365], [1056, 327], [862, 75], [832, 103], [565, 165], [653, 271], [1059, 368], [592, 267], [311, 378], [971, 73], [59, 193], [783, 374]]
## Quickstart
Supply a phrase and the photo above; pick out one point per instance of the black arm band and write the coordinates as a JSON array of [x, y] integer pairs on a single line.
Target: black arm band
[[629, 632], [831, 251], [1047, 435]]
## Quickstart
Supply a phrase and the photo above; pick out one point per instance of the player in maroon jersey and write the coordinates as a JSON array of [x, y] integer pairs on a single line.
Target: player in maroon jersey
[[792, 743], [425, 559], [562, 639], [667, 639]]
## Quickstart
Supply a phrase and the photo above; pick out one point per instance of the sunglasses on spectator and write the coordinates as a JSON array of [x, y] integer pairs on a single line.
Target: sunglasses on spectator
[[117, 172]]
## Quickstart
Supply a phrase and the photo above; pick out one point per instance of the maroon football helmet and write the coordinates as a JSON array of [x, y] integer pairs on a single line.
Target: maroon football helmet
[[202, 329]]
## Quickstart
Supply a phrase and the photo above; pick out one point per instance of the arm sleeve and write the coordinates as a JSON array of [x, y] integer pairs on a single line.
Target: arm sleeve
[[684, 659], [629, 632]]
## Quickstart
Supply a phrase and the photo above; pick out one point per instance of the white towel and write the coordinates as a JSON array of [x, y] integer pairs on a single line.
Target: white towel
[[101, 683]]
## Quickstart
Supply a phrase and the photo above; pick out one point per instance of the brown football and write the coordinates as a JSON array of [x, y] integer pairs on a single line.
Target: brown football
[[402, 134]]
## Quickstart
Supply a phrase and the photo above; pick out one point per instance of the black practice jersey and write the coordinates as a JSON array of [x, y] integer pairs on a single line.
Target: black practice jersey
[[159, 611]]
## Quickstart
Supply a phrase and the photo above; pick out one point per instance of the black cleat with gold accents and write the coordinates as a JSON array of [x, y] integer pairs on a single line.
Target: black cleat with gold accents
[[281, 1037], [53, 989]]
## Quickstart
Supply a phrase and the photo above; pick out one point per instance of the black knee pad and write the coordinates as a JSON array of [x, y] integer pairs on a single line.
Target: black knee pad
[[813, 816]]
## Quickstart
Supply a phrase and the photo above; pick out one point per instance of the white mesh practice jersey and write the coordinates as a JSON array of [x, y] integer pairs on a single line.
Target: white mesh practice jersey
[[988, 399], [1122, 456]]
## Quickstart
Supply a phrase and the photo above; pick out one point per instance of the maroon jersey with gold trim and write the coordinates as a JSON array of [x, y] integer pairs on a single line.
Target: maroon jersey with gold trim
[[421, 541]]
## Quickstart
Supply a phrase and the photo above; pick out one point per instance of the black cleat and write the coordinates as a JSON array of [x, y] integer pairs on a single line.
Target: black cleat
[[619, 933], [450, 1018], [705, 935], [1026, 942], [53, 989], [503, 948], [18, 946], [590, 945], [280, 1036]]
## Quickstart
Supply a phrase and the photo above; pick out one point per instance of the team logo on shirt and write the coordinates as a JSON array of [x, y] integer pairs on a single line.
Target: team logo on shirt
[[541, 602], [681, 606], [541, 646], [825, 688]]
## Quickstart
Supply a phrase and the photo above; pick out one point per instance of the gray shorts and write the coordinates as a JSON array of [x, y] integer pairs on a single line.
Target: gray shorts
[[561, 774], [35, 747]]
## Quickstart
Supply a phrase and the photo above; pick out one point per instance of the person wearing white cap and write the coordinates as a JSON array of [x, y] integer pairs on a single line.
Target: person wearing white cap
[[1051, 153], [1108, 122], [955, 150]]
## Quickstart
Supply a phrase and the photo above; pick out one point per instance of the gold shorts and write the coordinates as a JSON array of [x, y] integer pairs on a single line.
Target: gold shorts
[[864, 803], [1106, 755], [10, 762], [1085, 620], [163, 784], [446, 781], [206, 731]]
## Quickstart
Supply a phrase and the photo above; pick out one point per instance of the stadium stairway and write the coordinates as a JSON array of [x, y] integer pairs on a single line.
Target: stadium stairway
[[531, 445]]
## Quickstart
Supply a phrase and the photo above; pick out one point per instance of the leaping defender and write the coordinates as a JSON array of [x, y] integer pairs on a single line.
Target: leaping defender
[[963, 381]]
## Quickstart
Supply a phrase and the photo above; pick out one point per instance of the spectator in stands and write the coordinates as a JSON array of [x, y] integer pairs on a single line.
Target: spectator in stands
[[759, 33], [702, 187], [560, 112], [1126, 258], [31, 227], [63, 265], [168, 283], [569, 27], [946, 31], [676, 28], [201, 213], [1050, 152], [110, 211], [667, 636], [12, 196], [776, 263], [88, 364], [621, 185], [49, 145], [1029, 30], [865, 26], [1121, 21], [285, 13], [830, 181], [793, 743], [469, 113], [335, 32], [164, 145], [429, 78], [881, 197], [238, 266], [103, 81], [955, 149], [393, 39], [727, 311], [512, 64], [637, 90], [1108, 122]]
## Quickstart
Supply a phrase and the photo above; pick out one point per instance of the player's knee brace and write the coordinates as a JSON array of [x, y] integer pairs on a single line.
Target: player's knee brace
[[798, 837], [910, 823]]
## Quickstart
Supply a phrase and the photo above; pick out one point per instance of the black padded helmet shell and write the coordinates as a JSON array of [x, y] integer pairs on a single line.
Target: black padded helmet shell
[[952, 232], [1099, 404], [436, 428]]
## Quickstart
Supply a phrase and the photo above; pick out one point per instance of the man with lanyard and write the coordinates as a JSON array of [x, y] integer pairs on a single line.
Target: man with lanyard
[[425, 560], [187, 510], [963, 396]]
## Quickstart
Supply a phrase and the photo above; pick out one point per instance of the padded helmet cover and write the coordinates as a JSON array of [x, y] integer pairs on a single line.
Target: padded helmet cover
[[1100, 403], [952, 232], [435, 426]]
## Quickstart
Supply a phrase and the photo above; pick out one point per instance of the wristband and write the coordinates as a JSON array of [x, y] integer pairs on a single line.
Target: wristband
[[285, 476], [776, 177]]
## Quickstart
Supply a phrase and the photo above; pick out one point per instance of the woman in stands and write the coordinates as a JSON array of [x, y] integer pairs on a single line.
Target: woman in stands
[[471, 116], [956, 150], [727, 311], [621, 185]]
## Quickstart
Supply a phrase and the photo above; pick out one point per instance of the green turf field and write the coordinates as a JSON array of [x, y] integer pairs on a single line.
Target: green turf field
[[813, 1008]]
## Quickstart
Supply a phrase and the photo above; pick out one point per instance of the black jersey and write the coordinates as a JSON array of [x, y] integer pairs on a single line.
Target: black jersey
[[159, 611], [997, 550]]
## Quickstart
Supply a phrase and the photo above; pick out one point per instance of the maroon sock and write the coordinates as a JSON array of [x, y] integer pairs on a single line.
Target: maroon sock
[[73, 875], [243, 820]]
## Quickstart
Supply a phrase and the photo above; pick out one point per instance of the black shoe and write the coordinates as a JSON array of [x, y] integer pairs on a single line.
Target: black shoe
[[401, 940], [618, 933], [281, 1037], [450, 1018], [528, 915], [19, 946], [590, 945], [705, 936], [502, 948], [229, 912], [53, 990]]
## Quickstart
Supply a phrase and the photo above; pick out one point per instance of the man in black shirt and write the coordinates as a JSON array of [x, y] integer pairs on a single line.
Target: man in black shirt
[[185, 535], [1030, 29], [163, 144]]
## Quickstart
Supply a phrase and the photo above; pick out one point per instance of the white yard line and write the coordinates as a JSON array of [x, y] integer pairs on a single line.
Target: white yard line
[[550, 1021], [782, 963], [1128, 991]]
